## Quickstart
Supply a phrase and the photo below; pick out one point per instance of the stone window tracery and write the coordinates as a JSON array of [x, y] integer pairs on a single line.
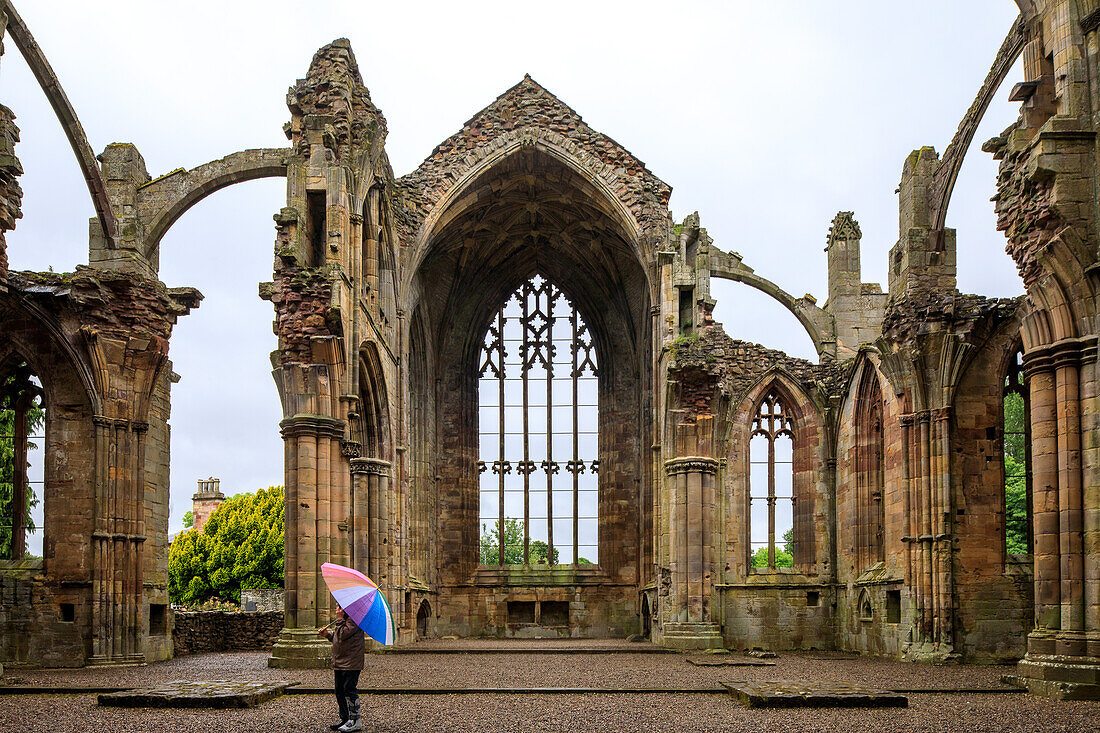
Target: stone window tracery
[[771, 485], [538, 432], [22, 421], [1017, 461]]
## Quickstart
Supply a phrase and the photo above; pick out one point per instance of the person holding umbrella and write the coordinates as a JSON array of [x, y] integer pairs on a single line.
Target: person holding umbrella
[[361, 607], [347, 663]]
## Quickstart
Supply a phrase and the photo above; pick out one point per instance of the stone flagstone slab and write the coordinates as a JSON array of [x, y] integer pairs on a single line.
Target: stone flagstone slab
[[787, 694], [207, 694], [728, 662]]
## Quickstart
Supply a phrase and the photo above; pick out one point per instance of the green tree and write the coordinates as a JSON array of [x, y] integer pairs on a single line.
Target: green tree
[[1015, 507], [35, 419], [540, 551], [1016, 519], [513, 546], [513, 543], [240, 546], [189, 519], [784, 557]]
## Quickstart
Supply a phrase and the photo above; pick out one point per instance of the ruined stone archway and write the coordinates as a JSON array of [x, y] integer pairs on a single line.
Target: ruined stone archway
[[529, 214], [163, 201]]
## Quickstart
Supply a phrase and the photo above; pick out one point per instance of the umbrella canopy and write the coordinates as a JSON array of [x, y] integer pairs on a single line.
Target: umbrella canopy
[[361, 600]]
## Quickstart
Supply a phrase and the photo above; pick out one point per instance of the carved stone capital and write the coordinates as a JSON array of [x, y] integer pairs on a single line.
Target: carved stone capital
[[375, 466], [691, 464], [351, 449], [313, 425], [1067, 352]]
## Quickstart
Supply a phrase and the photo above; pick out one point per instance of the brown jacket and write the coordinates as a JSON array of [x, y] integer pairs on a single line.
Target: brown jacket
[[347, 645]]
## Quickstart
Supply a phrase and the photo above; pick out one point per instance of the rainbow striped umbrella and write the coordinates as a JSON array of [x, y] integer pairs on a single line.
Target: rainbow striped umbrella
[[360, 598]]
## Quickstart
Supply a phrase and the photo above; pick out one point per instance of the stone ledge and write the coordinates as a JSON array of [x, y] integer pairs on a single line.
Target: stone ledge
[[208, 694]]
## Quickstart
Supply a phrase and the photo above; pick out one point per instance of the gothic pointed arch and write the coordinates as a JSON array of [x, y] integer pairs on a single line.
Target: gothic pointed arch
[[869, 467], [373, 415], [776, 408]]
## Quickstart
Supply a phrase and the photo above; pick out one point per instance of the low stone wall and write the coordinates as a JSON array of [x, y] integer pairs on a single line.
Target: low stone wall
[[34, 631], [196, 632], [261, 599]]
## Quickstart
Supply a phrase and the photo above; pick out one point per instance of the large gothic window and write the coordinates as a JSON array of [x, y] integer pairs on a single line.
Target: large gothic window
[[771, 485], [1017, 461], [538, 432], [22, 418]]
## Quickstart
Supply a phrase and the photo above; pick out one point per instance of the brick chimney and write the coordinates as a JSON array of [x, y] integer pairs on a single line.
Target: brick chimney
[[206, 500]]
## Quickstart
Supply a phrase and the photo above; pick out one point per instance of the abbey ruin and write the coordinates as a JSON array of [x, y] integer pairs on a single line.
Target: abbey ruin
[[506, 400]]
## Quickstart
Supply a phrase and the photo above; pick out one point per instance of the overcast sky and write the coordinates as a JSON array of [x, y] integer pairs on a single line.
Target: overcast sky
[[767, 118]]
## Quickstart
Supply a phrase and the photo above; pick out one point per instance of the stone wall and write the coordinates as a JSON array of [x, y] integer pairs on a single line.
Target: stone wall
[[197, 632], [32, 625], [262, 599], [778, 611]]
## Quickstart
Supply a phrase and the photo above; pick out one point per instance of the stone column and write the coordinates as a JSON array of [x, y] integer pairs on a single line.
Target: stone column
[[1063, 652], [309, 536], [370, 517], [688, 621], [925, 493], [942, 527], [1044, 498]]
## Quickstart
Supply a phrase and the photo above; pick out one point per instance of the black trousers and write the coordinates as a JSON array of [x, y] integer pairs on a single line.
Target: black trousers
[[347, 696]]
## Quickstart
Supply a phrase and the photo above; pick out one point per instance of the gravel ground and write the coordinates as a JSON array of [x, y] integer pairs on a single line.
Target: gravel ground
[[530, 713], [535, 713], [535, 670]]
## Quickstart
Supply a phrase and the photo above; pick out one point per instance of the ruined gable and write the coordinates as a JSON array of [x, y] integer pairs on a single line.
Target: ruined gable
[[526, 114]]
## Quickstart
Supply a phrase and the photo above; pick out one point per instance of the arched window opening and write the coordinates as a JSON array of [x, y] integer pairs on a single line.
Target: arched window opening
[[870, 475], [378, 273], [1017, 462], [369, 245], [423, 620], [371, 406], [22, 433], [771, 485], [538, 414]]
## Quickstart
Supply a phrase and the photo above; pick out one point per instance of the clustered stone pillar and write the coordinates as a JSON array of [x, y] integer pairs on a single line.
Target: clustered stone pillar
[[692, 494], [316, 507], [927, 472], [127, 372], [1063, 657], [370, 517]]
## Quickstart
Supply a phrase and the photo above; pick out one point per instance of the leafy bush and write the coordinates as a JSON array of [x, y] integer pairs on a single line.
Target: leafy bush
[[240, 546]]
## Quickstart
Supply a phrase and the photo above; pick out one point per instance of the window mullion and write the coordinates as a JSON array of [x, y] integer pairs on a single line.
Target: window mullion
[[550, 466], [500, 431], [525, 359], [771, 499], [576, 442]]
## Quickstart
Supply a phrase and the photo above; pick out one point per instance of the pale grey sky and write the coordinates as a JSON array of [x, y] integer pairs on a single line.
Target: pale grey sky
[[767, 118]]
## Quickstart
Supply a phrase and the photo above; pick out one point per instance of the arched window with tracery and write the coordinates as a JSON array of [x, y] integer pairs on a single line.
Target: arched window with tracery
[[771, 485], [22, 421], [1017, 461], [538, 432], [869, 473]]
